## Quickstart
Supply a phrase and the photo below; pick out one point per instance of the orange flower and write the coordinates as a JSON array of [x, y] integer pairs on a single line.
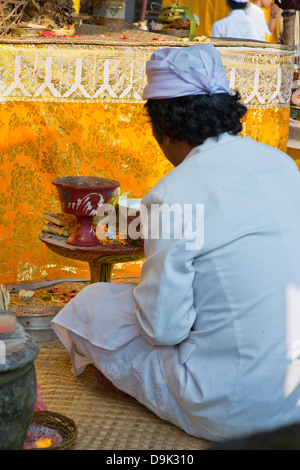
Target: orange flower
[[121, 240]]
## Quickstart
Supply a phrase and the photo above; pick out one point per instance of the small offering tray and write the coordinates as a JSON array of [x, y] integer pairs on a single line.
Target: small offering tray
[[36, 321], [39, 437], [50, 431]]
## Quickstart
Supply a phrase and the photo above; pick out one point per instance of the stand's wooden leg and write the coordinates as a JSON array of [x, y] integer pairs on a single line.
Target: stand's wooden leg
[[100, 272]]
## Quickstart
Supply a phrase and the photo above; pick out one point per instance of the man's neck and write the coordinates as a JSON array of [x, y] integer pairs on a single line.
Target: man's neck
[[258, 3]]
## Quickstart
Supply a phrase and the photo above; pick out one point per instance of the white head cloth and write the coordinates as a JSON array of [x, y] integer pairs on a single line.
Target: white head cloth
[[241, 1], [192, 70]]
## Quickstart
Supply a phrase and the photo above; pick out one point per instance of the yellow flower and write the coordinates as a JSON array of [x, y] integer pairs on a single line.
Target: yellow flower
[[101, 231]]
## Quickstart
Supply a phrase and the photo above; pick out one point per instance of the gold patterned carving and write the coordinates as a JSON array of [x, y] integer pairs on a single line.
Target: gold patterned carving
[[264, 79], [89, 73]]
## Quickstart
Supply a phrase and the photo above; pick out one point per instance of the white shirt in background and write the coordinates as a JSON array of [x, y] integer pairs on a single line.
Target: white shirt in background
[[236, 25], [257, 15]]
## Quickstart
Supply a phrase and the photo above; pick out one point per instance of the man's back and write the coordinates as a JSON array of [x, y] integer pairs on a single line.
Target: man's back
[[236, 25], [239, 367]]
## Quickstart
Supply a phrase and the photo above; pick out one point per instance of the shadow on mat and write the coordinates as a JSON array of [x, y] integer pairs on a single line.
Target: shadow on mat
[[285, 438]]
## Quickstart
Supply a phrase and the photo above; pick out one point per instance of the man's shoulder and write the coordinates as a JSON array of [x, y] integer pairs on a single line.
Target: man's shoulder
[[219, 27], [254, 11], [216, 24], [175, 182], [222, 20], [262, 151]]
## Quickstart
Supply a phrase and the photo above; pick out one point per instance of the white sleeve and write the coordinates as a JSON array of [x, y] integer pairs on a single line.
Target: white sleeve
[[165, 309], [215, 32]]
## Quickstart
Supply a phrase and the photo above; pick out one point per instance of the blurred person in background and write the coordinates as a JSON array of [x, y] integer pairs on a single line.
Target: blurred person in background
[[255, 11], [237, 24]]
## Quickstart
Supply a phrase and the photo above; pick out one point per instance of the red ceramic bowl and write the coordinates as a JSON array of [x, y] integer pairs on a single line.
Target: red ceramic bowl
[[81, 196]]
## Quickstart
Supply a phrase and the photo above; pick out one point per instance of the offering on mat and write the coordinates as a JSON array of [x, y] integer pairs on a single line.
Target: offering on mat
[[35, 29], [176, 18], [52, 297], [39, 437], [46, 19]]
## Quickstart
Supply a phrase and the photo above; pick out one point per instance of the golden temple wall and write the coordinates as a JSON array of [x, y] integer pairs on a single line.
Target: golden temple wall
[[75, 108]]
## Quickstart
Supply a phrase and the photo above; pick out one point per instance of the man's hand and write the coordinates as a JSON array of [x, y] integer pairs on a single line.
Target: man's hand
[[275, 11]]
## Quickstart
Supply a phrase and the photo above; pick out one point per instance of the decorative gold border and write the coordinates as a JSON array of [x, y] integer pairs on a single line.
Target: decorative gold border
[[255, 67], [89, 40]]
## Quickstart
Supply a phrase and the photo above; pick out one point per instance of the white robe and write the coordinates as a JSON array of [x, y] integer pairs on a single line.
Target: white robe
[[236, 25], [208, 339], [257, 15]]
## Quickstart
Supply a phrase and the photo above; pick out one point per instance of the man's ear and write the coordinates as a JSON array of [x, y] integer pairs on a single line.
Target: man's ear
[[168, 140], [164, 140]]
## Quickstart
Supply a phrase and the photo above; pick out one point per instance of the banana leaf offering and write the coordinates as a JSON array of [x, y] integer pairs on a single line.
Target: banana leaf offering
[[179, 18]]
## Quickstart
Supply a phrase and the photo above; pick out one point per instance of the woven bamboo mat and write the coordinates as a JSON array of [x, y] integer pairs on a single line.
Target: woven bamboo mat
[[105, 420], [90, 34]]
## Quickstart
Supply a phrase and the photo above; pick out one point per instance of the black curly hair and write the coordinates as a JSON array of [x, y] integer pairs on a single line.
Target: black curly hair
[[193, 119], [236, 5]]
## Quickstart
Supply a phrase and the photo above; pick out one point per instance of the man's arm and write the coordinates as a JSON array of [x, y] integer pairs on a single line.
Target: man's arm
[[165, 302], [272, 22]]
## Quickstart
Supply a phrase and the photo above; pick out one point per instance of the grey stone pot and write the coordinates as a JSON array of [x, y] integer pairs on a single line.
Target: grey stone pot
[[18, 387]]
